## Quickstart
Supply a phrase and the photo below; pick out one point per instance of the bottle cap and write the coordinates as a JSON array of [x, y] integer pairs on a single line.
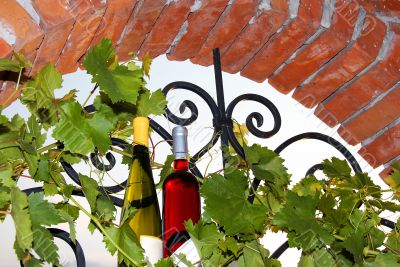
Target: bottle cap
[[180, 146], [141, 131]]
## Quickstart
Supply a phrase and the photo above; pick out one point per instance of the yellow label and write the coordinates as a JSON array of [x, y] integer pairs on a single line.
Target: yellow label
[[141, 131]]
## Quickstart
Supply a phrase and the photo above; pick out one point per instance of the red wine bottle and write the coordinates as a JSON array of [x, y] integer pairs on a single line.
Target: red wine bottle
[[181, 196]]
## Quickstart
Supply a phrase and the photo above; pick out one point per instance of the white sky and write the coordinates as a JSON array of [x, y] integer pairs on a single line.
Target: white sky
[[295, 120]]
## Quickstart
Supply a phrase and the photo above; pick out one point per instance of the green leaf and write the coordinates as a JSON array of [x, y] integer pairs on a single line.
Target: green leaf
[[320, 257], [105, 209], [36, 131], [146, 64], [153, 103], [90, 189], [44, 245], [22, 220], [74, 130], [81, 135], [226, 202], [336, 168], [127, 241], [119, 83], [166, 170], [205, 237], [6, 172], [166, 262], [43, 171], [66, 217], [308, 186], [99, 129], [254, 254], [268, 166], [7, 64], [384, 260], [42, 212], [182, 258], [303, 208], [38, 95], [50, 189]]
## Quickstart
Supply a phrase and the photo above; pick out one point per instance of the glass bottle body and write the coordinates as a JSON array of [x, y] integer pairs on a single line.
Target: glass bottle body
[[181, 200]]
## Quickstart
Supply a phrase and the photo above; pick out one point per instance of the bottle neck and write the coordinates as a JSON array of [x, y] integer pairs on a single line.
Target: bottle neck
[[141, 131], [181, 165]]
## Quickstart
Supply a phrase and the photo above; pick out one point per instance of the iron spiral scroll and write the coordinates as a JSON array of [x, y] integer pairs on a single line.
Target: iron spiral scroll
[[223, 131]]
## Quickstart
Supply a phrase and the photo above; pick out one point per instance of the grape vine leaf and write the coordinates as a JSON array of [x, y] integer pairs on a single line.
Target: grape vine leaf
[[302, 208], [105, 209], [151, 103], [226, 202], [74, 130], [41, 211], [50, 189], [7, 64], [66, 217], [268, 166], [254, 254], [309, 186], [80, 135], [44, 245], [320, 257], [90, 189], [15, 65], [118, 82], [166, 262], [99, 129], [206, 237], [22, 220], [38, 95], [166, 170], [384, 260], [126, 239], [336, 168], [6, 172]]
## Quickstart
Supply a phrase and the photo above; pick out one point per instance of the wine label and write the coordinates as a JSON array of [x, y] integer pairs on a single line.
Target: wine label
[[153, 247]]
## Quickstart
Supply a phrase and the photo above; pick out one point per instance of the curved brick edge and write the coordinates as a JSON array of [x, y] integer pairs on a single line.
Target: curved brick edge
[[341, 57]]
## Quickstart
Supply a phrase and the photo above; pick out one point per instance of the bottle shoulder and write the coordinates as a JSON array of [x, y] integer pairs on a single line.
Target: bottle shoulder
[[181, 175]]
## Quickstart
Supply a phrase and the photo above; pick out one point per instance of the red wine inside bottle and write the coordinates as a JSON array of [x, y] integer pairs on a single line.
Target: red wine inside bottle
[[181, 196]]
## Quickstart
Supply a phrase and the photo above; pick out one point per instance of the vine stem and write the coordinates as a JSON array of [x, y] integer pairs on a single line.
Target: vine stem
[[90, 95], [16, 87], [123, 153], [98, 224], [45, 148], [5, 212]]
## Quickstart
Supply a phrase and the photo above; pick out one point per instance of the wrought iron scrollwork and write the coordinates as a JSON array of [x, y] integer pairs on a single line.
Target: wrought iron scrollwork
[[222, 121]]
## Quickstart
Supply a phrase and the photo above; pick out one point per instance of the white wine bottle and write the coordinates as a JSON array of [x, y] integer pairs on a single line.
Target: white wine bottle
[[141, 194]]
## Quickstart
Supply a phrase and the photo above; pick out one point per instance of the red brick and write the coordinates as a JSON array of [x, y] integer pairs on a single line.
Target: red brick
[[319, 52], [343, 69], [114, 20], [88, 18], [139, 25], [359, 93], [5, 49], [57, 22], [387, 171], [199, 25], [227, 28], [28, 33], [373, 119], [386, 7], [8, 93], [384, 148], [275, 52], [254, 36], [166, 28]]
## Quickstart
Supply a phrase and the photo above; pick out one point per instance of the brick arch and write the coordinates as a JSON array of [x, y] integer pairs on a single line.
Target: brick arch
[[341, 57]]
